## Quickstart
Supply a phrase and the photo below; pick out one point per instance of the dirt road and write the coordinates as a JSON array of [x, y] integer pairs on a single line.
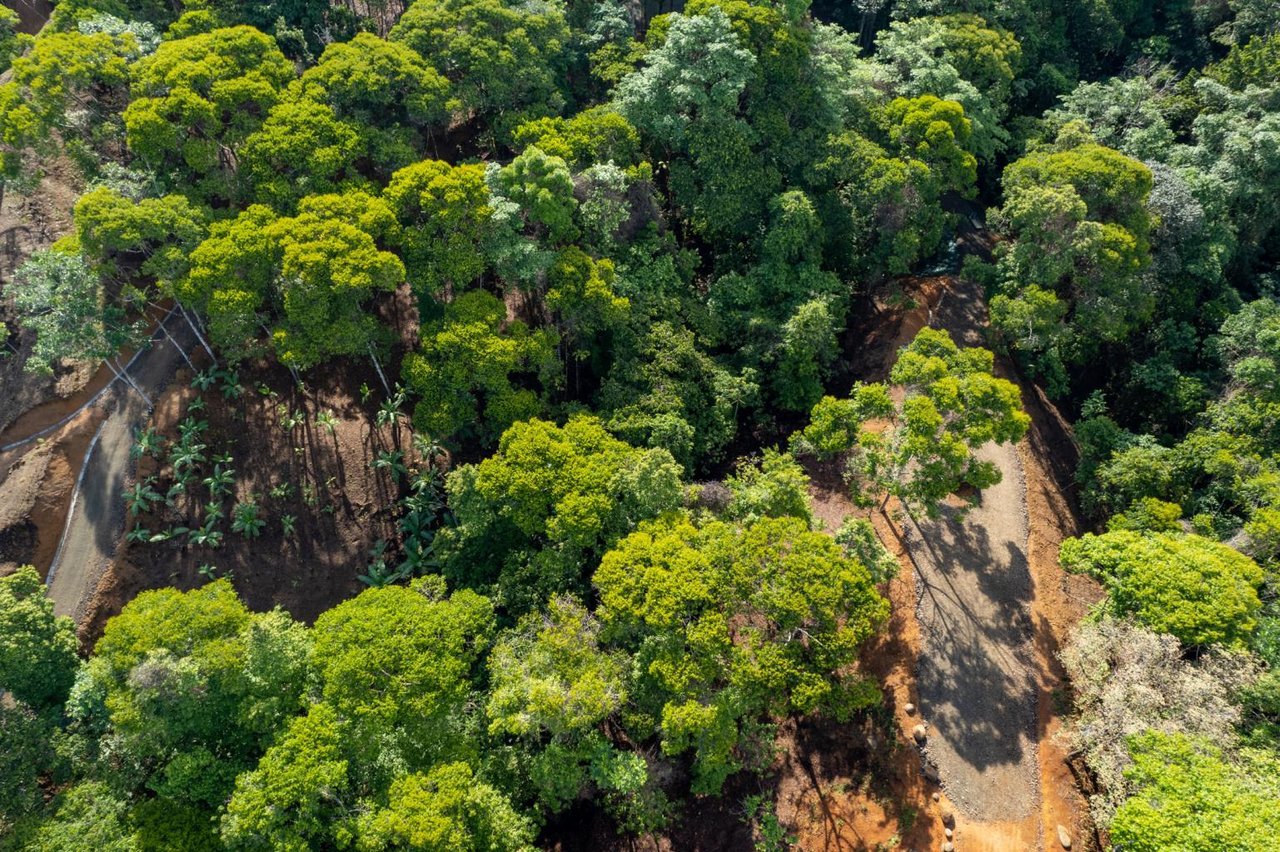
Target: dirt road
[[95, 523]]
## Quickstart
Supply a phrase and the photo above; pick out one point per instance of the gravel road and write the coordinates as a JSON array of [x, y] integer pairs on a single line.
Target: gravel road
[[95, 523], [977, 668]]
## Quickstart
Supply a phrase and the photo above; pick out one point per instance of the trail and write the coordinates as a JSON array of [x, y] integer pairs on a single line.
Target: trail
[[95, 521], [985, 672]]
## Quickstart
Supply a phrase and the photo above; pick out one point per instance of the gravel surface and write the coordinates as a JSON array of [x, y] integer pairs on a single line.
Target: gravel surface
[[95, 524], [977, 667]]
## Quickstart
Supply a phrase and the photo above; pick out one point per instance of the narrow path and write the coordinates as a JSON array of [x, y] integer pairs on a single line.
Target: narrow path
[[95, 522]]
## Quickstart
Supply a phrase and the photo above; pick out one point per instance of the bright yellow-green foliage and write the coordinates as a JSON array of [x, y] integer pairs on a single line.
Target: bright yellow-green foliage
[[550, 674], [293, 799], [396, 663], [196, 99], [447, 808], [922, 449], [312, 274], [713, 614], [117, 230], [69, 84], [504, 62], [1196, 589], [465, 374], [1189, 797], [37, 649], [935, 132], [301, 149], [539, 512], [581, 293], [444, 211], [596, 135]]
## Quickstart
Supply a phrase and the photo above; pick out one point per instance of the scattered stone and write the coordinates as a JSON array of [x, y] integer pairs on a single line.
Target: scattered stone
[[909, 708], [937, 797], [1063, 837], [948, 847], [919, 733], [947, 833]]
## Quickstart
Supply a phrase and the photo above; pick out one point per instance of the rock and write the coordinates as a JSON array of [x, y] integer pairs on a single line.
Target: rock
[[931, 772], [949, 819], [937, 797], [1063, 837], [947, 833], [948, 847], [919, 733], [909, 709]]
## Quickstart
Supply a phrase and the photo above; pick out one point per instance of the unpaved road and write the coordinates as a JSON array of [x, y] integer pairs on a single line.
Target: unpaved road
[[96, 522], [977, 670]]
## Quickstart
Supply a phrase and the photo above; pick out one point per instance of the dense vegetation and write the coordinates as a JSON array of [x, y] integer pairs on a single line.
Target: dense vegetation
[[634, 244]]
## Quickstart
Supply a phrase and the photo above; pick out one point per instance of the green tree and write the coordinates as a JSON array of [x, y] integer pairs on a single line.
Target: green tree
[[535, 516], [88, 816], [446, 808], [468, 371], [952, 405], [1188, 796], [63, 302], [301, 149], [196, 100], [445, 214], [711, 614], [665, 391], [150, 236], [294, 800], [775, 486], [1194, 588], [506, 64], [37, 649], [396, 665], [389, 93], [310, 275], [552, 686]]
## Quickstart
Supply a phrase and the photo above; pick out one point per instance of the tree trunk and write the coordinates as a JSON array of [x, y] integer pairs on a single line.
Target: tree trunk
[[377, 366]]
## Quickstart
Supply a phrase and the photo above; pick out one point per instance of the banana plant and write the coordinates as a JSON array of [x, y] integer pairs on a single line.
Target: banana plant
[[245, 520], [147, 442], [138, 534], [141, 496], [220, 481]]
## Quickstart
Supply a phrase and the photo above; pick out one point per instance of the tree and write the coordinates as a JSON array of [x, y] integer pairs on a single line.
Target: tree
[[1126, 680], [62, 301], [665, 391], [69, 87], [196, 100], [37, 649], [468, 371], [506, 64], [535, 516], [594, 136], [445, 213], [695, 77], [89, 816], [301, 149], [959, 58], [1199, 590], [390, 94], [294, 799], [775, 486], [310, 275], [446, 808], [552, 685], [152, 236], [951, 407], [396, 665], [1186, 789], [715, 615]]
